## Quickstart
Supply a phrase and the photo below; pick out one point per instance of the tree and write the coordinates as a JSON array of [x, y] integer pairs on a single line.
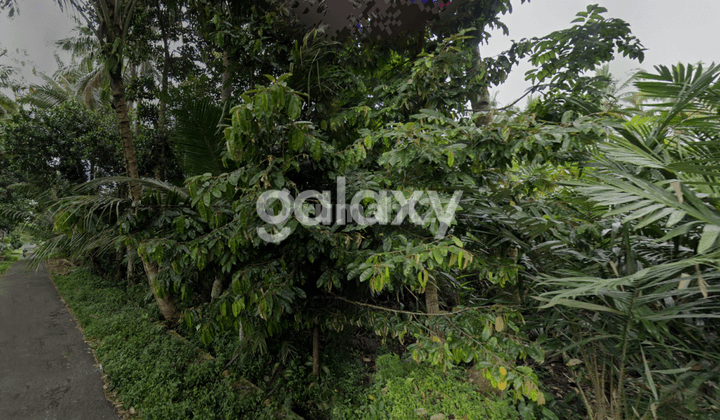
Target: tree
[[410, 131], [65, 143]]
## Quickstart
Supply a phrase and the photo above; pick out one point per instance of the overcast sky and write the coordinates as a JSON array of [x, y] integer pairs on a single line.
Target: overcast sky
[[671, 31]]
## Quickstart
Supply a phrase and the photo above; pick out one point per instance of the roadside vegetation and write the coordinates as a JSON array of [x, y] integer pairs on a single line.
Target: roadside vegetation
[[577, 278], [6, 261], [157, 373], [9, 252]]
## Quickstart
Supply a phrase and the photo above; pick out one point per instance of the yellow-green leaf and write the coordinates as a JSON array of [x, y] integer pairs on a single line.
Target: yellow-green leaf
[[499, 324]]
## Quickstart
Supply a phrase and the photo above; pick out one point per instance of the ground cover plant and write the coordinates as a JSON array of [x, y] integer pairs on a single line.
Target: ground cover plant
[[151, 371]]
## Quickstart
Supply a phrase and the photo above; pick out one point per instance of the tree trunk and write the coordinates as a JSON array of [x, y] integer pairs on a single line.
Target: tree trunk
[[130, 271], [167, 305], [111, 31], [133, 105], [431, 298], [432, 305], [217, 288], [316, 351], [118, 267], [162, 105], [226, 83], [120, 105], [480, 103]]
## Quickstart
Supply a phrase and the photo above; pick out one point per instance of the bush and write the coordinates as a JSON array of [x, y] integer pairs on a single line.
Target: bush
[[406, 390]]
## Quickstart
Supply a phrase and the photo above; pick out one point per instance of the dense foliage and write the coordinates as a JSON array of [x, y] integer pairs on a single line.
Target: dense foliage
[[601, 219]]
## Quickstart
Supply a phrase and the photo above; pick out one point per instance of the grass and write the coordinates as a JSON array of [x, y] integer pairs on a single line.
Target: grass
[[8, 261], [159, 375]]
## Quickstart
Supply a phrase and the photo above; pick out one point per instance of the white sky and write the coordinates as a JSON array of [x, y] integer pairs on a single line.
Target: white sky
[[29, 37], [672, 31]]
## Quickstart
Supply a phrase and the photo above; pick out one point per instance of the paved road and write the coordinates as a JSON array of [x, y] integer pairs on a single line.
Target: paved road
[[46, 369]]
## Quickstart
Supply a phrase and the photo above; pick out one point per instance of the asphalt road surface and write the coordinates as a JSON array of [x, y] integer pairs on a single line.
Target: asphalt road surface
[[47, 371]]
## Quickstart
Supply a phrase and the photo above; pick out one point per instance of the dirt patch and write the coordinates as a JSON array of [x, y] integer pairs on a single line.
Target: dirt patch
[[59, 266]]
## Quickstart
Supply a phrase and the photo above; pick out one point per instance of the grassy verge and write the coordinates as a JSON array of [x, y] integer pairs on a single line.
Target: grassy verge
[[164, 377], [160, 376], [7, 262]]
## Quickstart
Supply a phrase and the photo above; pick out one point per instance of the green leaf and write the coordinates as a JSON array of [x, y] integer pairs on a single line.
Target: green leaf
[[675, 218], [297, 141], [437, 255], [238, 306], [708, 239], [648, 374], [581, 305], [294, 106], [233, 178]]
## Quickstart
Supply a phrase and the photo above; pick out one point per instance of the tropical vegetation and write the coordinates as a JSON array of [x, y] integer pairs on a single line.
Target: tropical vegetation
[[577, 277]]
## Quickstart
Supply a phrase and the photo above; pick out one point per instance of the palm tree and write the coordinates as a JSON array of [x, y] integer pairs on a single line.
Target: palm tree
[[110, 23], [650, 330]]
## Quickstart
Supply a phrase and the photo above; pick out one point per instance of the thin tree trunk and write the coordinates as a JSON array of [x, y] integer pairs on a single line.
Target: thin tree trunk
[[162, 106], [130, 270], [226, 83], [132, 105], [110, 33], [431, 298], [316, 351], [118, 267], [432, 305], [480, 103], [217, 288], [167, 305]]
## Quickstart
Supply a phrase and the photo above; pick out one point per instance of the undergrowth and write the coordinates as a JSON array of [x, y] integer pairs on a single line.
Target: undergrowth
[[159, 375], [164, 377], [7, 262], [405, 390]]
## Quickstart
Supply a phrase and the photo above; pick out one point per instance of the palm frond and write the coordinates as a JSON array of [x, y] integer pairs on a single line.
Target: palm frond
[[198, 141]]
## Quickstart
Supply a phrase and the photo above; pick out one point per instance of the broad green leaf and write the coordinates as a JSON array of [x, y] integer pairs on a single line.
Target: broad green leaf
[[708, 239], [675, 218], [294, 106], [297, 141]]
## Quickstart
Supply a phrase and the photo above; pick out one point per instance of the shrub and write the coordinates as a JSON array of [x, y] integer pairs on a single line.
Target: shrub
[[406, 390]]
